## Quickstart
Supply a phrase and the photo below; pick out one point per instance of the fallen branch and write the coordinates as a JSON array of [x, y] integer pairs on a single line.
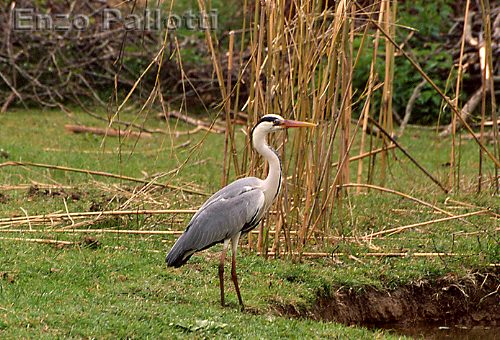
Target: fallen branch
[[125, 123], [110, 132], [489, 123], [410, 105], [196, 122], [143, 152], [7, 102], [487, 136]]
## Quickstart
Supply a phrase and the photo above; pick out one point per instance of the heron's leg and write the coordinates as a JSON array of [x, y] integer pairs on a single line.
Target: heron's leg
[[221, 271], [234, 277]]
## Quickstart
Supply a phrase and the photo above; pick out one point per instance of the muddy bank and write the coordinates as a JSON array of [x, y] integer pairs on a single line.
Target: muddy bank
[[448, 301]]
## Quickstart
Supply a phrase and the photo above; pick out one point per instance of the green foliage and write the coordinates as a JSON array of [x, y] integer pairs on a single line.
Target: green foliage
[[430, 20], [229, 16]]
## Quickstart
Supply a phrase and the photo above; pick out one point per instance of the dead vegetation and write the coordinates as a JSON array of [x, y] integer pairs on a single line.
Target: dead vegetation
[[50, 67]]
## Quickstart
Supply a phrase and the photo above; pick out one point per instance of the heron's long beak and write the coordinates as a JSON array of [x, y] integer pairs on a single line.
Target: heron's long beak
[[295, 123]]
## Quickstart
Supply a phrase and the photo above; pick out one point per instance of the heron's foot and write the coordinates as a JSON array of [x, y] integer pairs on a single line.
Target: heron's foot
[[231, 304]]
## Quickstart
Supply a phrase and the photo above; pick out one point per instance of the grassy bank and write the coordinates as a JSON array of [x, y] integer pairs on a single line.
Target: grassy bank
[[121, 287], [107, 293]]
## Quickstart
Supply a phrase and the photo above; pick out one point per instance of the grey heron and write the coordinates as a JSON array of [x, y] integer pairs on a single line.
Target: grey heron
[[235, 209]]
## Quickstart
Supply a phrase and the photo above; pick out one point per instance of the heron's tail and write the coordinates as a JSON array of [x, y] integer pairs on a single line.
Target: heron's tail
[[179, 255]]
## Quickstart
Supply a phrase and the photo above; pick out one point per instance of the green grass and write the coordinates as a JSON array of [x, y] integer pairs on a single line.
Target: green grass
[[123, 289], [105, 293]]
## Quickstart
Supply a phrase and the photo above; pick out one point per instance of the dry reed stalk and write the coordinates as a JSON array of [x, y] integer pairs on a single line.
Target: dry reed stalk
[[410, 157], [395, 254], [397, 230], [256, 103], [96, 231], [229, 133], [156, 61], [494, 108], [453, 180], [277, 238], [351, 239], [445, 98], [336, 86], [346, 81], [111, 231], [472, 233], [468, 205], [67, 215], [42, 186], [366, 108], [371, 186], [486, 63], [215, 58], [463, 204], [101, 173], [333, 191], [388, 9], [39, 240], [154, 251]]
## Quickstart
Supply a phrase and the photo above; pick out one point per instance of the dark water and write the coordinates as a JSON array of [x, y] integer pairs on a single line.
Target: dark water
[[453, 332]]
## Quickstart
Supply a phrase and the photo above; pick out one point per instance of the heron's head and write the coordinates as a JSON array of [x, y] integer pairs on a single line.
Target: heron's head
[[272, 122]]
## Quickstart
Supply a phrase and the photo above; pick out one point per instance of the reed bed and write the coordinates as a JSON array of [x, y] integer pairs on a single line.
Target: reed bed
[[301, 66]]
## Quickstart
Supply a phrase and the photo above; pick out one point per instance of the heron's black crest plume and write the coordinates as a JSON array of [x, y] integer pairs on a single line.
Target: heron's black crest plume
[[266, 118]]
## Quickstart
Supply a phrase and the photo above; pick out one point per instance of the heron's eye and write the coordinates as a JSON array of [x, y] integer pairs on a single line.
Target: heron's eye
[[276, 122]]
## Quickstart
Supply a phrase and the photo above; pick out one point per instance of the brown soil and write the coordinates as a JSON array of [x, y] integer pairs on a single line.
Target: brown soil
[[469, 301], [35, 191]]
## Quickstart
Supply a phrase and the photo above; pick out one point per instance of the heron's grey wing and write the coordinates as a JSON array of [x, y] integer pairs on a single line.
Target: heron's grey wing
[[233, 189], [229, 213]]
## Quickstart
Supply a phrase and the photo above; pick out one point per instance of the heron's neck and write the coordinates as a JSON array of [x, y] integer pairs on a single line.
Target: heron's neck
[[272, 182]]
